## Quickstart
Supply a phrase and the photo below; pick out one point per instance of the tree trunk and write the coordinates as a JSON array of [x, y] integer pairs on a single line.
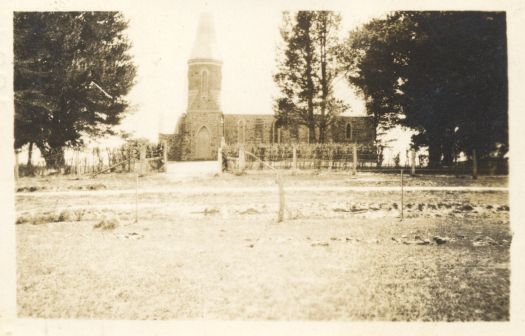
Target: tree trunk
[[30, 155], [310, 84], [54, 157], [434, 155], [322, 132], [448, 156], [324, 83], [379, 158], [311, 133], [448, 148]]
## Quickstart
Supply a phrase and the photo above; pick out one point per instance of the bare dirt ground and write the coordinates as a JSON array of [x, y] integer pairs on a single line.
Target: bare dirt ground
[[216, 252]]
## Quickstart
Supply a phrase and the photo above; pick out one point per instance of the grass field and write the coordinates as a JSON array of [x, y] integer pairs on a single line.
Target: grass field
[[215, 252]]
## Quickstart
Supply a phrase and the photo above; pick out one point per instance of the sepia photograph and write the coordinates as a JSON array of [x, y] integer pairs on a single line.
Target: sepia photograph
[[236, 161]]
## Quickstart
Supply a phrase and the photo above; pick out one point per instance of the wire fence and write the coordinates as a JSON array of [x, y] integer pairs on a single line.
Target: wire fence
[[131, 157], [341, 157], [307, 156]]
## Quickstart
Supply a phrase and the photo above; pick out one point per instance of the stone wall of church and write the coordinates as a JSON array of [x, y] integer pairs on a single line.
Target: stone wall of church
[[246, 128], [361, 130], [256, 129]]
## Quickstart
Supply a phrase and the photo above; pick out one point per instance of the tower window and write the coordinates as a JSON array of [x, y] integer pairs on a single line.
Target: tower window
[[204, 84]]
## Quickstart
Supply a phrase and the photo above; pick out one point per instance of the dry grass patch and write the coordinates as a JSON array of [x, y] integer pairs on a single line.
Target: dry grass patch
[[245, 269], [107, 223], [221, 256]]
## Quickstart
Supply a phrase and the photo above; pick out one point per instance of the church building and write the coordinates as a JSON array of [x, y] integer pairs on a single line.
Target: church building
[[199, 131]]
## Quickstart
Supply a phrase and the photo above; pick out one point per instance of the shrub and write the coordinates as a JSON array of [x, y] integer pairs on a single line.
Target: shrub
[[46, 217], [107, 223], [65, 216], [96, 186], [79, 214], [24, 218]]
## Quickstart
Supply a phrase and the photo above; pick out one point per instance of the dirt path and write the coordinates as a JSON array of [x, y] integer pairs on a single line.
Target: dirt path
[[257, 189]]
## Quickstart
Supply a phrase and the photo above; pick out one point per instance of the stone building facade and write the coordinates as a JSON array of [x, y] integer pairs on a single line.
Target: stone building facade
[[201, 129]]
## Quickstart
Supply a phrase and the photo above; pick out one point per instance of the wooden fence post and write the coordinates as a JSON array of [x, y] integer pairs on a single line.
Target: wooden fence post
[[413, 162], [219, 160], [474, 165], [77, 164], [330, 159], [294, 157], [242, 159], [131, 158], [354, 158], [402, 201], [142, 157], [165, 156], [16, 165]]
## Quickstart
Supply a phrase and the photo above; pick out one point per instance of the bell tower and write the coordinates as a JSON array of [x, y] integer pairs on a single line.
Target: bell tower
[[204, 69]]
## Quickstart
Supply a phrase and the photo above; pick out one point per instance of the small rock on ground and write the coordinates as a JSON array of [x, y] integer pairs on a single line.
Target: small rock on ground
[[440, 240]]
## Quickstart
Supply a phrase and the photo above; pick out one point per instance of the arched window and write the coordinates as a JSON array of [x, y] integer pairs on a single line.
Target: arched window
[[348, 133], [204, 84], [241, 131]]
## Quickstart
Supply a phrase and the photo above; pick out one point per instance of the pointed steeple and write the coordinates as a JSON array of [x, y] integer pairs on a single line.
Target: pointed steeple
[[205, 45]]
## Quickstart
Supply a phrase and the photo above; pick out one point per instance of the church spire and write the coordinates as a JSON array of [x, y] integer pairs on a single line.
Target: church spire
[[205, 45]]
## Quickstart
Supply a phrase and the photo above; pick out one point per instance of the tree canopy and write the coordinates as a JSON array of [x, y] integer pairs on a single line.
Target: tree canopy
[[72, 71], [441, 73], [307, 67]]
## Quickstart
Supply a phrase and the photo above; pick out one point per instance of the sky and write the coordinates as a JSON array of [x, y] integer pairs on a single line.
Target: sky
[[247, 36]]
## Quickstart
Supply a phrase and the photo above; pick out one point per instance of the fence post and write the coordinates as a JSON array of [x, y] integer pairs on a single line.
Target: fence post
[[131, 159], [474, 165], [402, 203], [136, 197], [330, 158], [77, 164], [219, 159], [242, 159], [16, 165], [280, 215], [413, 162], [354, 158], [142, 157], [165, 156], [294, 157]]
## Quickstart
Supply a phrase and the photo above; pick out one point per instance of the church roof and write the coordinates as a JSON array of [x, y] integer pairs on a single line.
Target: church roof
[[205, 45]]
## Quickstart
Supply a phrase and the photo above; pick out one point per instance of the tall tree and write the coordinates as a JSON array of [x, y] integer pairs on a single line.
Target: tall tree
[[367, 60], [295, 76], [463, 55], [307, 67], [71, 73], [442, 73], [326, 34]]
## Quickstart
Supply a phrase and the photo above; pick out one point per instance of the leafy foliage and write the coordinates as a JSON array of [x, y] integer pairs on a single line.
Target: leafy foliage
[[71, 73], [441, 73], [307, 67]]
